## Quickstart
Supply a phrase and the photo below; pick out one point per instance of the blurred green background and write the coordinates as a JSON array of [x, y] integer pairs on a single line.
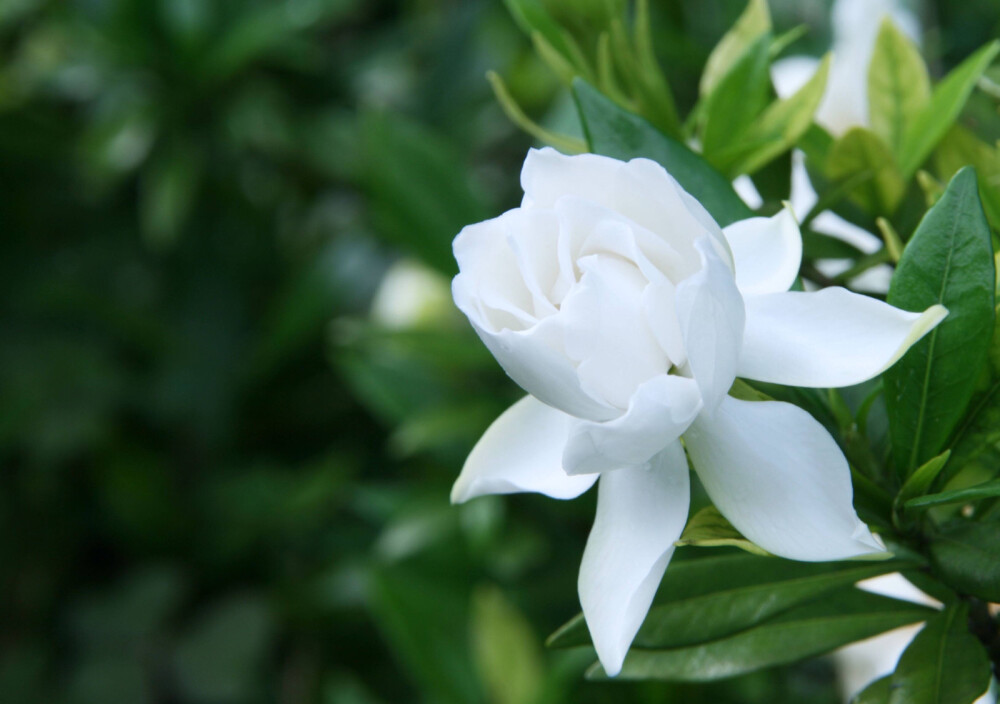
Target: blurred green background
[[233, 392]]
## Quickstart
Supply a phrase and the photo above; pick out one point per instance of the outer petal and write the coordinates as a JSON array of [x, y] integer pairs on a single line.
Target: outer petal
[[779, 478], [828, 338], [711, 315], [767, 253], [660, 410], [641, 511], [521, 451]]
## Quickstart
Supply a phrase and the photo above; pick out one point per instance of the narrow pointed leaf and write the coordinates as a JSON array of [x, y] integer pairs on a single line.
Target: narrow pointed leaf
[[944, 664], [739, 97], [778, 128], [752, 24], [617, 133], [944, 107], [986, 490], [531, 16], [921, 480], [801, 632], [948, 261], [708, 598]]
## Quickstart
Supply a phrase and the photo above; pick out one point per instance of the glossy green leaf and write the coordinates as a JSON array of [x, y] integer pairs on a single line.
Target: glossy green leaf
[[508, 654], [804, 631], [708, 598], [948, 261], [944, 664], [967, 556], [861, 153], [752, 24], [920, 481], [778, 128], [739, 97], [615, 132], [943, 108], [986, 490], [977, 441], [898, 84]]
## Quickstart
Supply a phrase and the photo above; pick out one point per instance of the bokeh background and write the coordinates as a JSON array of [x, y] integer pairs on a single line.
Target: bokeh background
[[233, 391]]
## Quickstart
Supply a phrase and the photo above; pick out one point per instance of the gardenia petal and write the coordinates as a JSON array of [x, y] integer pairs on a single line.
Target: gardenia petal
[[767, 253], [521, 451], [640, 190], [605, 331], [828, 338], [710, 311], [641, 511], [780, 479], [660, 410]]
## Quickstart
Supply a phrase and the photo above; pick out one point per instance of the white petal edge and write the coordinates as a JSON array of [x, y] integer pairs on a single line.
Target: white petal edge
[[780, 479], [521, 451], [711, 314], [547, 175], [827, 338], [767, 253], [641, 511], [659, 411]]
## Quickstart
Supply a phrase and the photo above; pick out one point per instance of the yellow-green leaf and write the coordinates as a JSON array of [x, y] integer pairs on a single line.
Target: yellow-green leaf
[[859, 152], [752, 24], [898, 85]]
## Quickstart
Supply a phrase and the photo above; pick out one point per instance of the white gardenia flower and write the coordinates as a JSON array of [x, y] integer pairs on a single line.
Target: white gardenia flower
[[615, 300]]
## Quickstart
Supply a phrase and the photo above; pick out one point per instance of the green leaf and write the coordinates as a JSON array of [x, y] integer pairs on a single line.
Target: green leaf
[[875, 693], [752, 24], [978, 439], [617, 133], [778, 128], [986, 490], [709, 528], [944, 107], [961, 147], [420, 194], [948, 261], [513, 111], [804, 631], [967, 556], [531, 16], [860, 152], [508, 654], [898, 85], [709, 598], [738, 98], [944, 664], [921, 480]]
